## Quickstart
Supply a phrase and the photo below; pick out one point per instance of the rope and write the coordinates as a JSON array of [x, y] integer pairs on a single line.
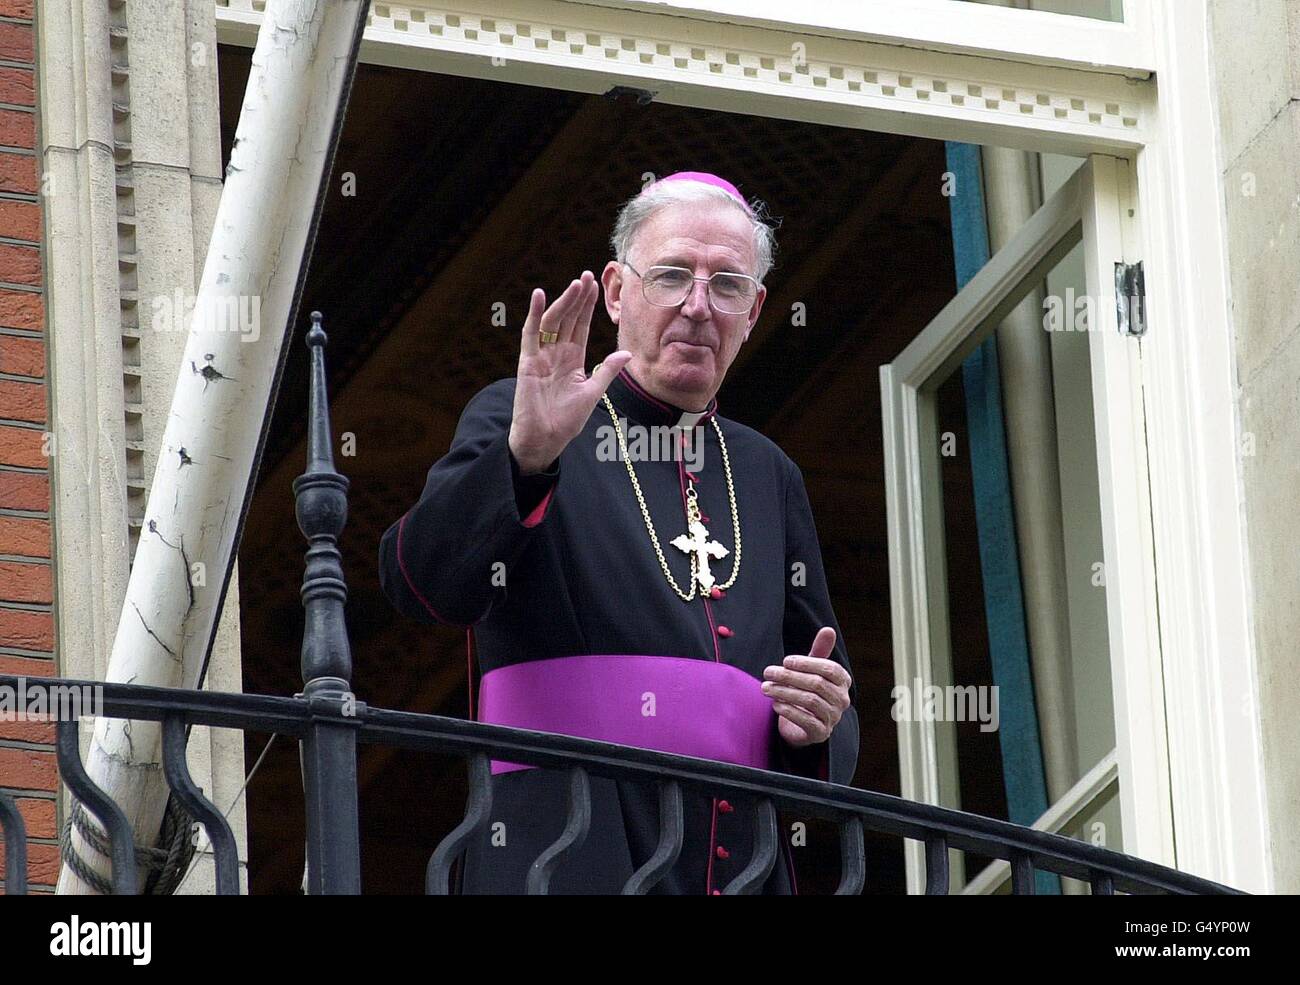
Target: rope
[[168, 867], [74, 861], [176, 834], [164, 864]]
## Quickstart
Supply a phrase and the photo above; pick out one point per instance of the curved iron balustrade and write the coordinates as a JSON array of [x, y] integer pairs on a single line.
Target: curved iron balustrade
[[854, 811], [329, 722]]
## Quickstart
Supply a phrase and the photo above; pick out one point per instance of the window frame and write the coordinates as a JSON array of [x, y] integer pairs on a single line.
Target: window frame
[[1090, 208]]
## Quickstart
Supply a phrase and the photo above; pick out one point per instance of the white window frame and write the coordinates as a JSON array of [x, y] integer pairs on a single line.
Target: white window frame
[[1090, 209], [941, 25], [1043, 82]]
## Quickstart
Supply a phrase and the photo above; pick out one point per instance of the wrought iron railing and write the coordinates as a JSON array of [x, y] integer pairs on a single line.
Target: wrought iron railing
[[332, 725], [329, 722]]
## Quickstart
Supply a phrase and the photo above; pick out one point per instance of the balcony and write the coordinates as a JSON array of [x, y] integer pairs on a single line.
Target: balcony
[[330, 723]]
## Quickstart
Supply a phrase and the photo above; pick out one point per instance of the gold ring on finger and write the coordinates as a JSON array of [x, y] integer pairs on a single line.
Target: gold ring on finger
[[548, 337]]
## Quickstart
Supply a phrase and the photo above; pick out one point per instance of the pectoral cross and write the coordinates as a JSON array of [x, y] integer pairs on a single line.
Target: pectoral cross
[[698, 543]]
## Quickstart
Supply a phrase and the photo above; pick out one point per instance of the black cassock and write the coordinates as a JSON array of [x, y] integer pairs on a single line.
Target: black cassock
[[581, 577]]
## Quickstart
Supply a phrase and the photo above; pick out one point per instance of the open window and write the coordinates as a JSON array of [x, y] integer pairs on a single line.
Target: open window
[[1078, 234]]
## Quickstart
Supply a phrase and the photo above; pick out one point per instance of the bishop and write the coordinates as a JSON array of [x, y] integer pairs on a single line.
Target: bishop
[[741, 664]]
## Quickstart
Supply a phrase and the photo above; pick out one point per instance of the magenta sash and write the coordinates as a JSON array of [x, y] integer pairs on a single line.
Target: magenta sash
[[672, 704]]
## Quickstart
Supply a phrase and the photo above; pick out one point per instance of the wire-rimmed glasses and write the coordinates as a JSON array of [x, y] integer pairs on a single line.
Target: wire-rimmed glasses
[[667, 287]]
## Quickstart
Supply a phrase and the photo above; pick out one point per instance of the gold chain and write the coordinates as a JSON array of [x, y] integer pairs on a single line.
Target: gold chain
[[692, 512]]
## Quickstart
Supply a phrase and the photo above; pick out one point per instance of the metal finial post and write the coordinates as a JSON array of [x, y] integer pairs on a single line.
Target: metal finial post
[[322, 509], [329, 748]]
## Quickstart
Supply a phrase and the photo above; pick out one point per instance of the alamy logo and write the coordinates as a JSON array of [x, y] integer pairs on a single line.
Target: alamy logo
[[950, 703], [656, 443], [102, 939], [44, 702], [183, 312]]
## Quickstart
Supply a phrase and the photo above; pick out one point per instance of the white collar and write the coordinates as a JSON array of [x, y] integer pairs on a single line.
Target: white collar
[[688, 420]]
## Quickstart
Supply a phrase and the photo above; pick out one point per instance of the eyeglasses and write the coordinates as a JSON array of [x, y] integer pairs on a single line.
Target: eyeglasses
[[667, 287]]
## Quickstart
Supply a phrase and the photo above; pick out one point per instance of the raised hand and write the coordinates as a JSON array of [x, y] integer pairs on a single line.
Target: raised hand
[[553, 394]]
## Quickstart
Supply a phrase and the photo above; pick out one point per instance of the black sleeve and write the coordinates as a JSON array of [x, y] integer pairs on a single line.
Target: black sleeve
[[808, 609], [438, 561]]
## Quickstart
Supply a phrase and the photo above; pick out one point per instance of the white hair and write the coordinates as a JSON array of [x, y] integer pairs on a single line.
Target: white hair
[[638, 209]]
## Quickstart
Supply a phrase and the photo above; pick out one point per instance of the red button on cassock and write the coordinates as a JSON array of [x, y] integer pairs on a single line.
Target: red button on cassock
[[725, 807], [717, 892], [723, 853], [724, 631], [716, 593]]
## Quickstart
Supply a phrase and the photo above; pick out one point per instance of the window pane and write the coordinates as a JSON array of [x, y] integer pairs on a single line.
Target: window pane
[[1102, 10], [1016, 584]]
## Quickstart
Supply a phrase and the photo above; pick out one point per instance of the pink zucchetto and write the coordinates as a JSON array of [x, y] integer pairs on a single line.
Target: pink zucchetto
[[709, 179]]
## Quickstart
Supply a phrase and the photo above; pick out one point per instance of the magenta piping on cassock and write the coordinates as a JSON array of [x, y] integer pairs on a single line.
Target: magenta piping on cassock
[[672, 704]]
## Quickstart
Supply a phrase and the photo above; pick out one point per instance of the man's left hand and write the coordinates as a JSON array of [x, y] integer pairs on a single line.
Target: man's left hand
[[809, 693]]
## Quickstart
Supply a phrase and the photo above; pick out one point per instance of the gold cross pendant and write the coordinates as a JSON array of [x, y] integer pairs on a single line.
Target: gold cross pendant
[[701, 548]]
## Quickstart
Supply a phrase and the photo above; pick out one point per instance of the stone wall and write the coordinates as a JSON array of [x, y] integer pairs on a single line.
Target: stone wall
[[1256, 64]]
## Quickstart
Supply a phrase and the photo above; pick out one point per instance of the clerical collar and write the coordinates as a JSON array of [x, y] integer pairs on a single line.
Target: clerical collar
[[634, 402]]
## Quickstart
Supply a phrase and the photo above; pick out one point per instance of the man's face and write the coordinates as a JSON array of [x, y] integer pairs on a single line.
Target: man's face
[[682, 354]]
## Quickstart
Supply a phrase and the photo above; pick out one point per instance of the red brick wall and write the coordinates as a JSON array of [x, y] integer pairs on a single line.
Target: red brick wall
[[27, 766]]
